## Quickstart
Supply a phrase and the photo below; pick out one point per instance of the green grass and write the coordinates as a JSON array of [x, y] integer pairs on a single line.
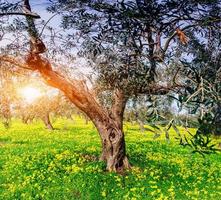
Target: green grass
[[63, 164]]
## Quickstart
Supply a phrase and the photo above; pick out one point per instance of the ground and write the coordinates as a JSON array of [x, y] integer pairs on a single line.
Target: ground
[[63, 164]]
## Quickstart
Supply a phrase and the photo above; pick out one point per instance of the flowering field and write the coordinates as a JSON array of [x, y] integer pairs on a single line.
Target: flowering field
[[63, 164]]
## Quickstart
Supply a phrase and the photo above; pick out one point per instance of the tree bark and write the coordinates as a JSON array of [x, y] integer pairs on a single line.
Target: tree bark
[[113, 146], [118, 107], [113, 142]]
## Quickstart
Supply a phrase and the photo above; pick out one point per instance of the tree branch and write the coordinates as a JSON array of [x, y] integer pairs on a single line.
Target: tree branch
[[160, 89], [167, 43], [30, 14], [118, 106], [76, 91], [13, 61]]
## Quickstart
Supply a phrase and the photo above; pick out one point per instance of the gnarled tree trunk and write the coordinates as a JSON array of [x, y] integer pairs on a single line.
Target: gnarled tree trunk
[[113, 146], [112, 135], [109, 126]]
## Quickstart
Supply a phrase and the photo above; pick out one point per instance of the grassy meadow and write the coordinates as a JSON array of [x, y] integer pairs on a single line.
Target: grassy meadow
[[63, 164]]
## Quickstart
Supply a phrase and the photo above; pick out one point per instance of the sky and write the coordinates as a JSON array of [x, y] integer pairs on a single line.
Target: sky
[[39, 6]]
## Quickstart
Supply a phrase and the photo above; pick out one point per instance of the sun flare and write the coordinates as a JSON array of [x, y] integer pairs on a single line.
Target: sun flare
[[30, 94]]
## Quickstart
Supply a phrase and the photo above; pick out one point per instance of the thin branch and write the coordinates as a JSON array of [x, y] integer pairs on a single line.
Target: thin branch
[[193, 95], [160, 89], [34, 15], [13, 61], [46, 24]]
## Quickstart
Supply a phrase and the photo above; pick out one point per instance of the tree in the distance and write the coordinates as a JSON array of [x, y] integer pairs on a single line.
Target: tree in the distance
[[7, 94], [45, 108]]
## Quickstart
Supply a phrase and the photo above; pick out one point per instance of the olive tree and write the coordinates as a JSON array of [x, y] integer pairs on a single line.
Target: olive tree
[[124, 42]]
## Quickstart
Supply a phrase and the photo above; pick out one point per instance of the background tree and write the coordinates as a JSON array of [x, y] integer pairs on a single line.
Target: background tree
[[7, 93], [39, 109], [45, 108]]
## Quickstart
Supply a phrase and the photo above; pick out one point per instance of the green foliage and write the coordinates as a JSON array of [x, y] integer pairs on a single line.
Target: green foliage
[[203, 93], [199, 143], [124, 40], [63, 164]]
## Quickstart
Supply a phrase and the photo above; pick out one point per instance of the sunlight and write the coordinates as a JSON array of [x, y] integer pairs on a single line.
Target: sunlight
[[30, 94]]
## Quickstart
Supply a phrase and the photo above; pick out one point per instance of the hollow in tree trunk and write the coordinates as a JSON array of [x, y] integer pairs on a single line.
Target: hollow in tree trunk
[[113, 147], [112, 135]]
